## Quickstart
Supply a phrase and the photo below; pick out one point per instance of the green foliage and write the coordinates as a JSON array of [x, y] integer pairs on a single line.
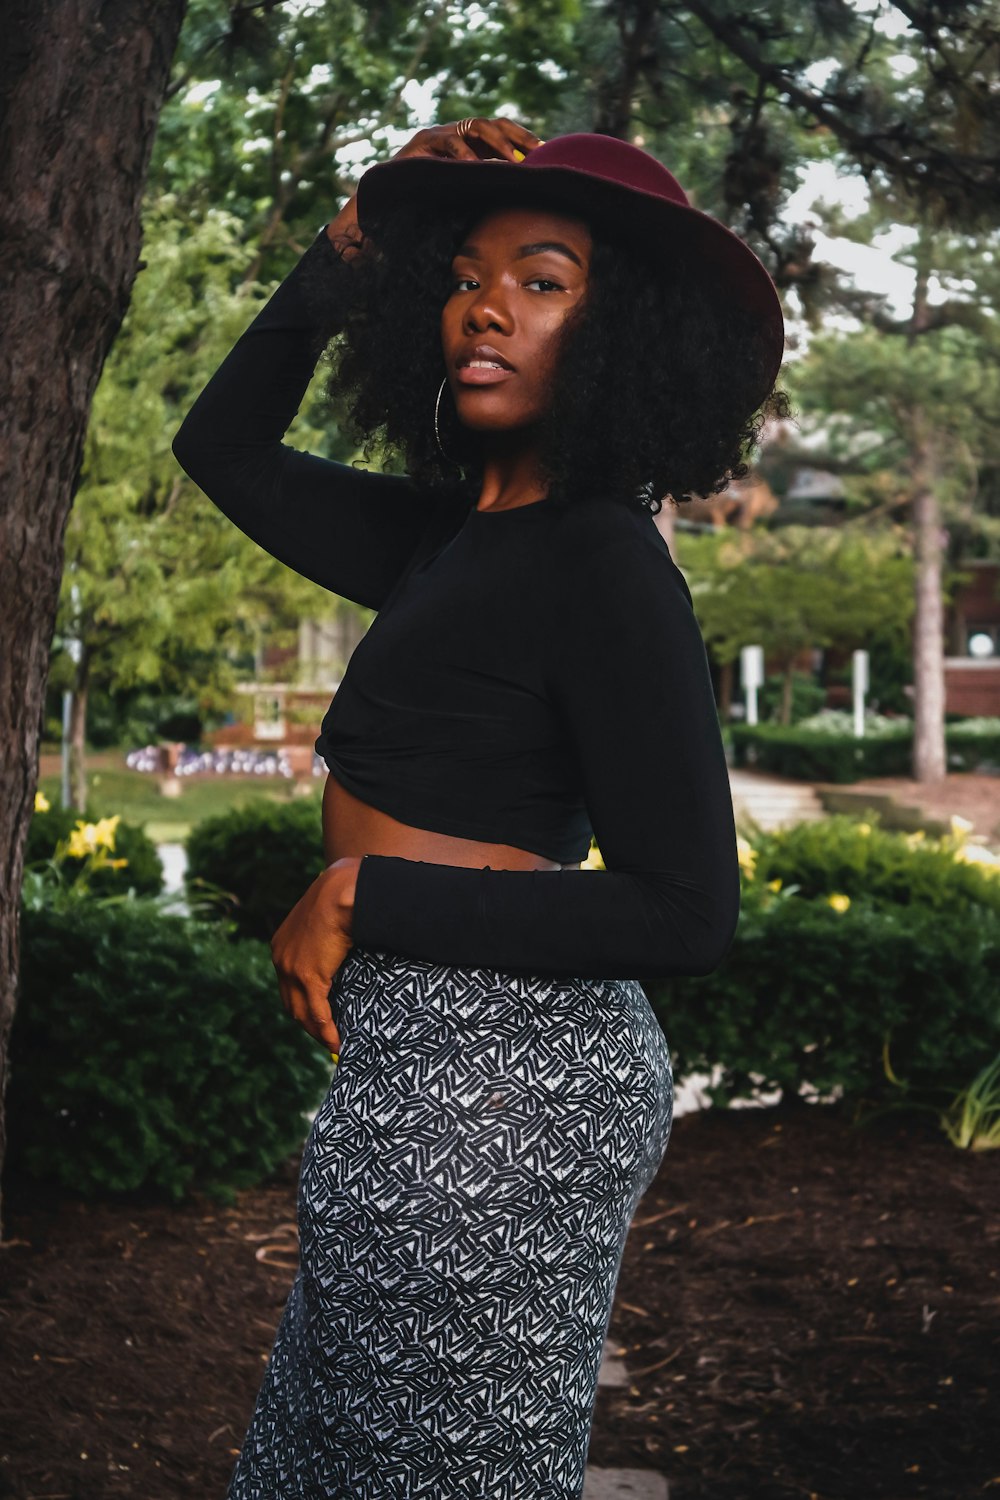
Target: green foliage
[[280, 107], [150, 1052], [797, 587], [142, 716], [809, 995], [265, 855], [972, 1120], [812, 755], [808, 695], [973, 743], [143, 872], [159, 586], [865, 862]]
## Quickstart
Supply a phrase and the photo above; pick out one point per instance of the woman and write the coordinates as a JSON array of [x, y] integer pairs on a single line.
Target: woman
[[553, 339]]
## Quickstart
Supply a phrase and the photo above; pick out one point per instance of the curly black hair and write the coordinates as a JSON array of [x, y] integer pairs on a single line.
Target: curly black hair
[[654, 385]]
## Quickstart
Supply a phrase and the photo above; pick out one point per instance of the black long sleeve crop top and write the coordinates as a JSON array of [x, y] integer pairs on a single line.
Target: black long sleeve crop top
[[532, 676]]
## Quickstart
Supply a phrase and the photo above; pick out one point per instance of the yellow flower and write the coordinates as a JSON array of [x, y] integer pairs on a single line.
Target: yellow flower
[[104, 831], [913, 839], [117, 864], [864, 828], [82, 840], [839, 902], [976, 854], [774, 885], [747, 856], [42, 803]]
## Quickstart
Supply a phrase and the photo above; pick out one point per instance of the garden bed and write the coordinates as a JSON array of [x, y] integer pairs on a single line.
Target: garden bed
[[805, 1310]]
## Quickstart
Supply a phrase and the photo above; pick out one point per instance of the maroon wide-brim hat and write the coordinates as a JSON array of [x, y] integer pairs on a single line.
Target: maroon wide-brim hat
[[600, 179]]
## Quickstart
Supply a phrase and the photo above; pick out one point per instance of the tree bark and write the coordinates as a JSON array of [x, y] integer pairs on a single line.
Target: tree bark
[[78, 732], [637, 22], [81, 87], [930, 760], [725, 690], [787, 679], [929, 752]]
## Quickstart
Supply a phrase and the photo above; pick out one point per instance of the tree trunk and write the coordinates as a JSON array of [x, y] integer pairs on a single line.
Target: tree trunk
[[929, 756], [617, 91], [725, 690], [81, 87], [78, 732], [785, 716], [929, 753]]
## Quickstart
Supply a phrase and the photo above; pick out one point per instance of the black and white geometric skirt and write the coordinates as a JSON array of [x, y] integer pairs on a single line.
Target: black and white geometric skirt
[[466, 1191]]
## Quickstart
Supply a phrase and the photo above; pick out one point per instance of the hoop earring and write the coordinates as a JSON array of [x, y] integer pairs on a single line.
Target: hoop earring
[[437, 426]]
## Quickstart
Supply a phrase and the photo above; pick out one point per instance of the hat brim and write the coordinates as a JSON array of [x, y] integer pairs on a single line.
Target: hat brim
[[722, 262]]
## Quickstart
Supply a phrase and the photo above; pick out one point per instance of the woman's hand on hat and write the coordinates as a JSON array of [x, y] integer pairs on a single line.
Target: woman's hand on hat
[[474, 139], [310, 946]]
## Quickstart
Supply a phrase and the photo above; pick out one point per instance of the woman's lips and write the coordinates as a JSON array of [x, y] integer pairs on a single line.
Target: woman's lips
[[483, 372]]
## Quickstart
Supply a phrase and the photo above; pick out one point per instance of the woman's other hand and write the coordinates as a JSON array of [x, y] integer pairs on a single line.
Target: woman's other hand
[[310, 946], [476, 140]]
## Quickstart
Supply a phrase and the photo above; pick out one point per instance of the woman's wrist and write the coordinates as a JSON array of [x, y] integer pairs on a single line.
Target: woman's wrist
[[340, 880], [344, 232]]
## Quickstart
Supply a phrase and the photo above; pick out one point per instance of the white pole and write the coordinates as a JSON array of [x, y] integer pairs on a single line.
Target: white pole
[[67, 701], [859, 677], [751, 677]]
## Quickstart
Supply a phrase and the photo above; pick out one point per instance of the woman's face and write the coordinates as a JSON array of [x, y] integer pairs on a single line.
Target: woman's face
[[517, 278]]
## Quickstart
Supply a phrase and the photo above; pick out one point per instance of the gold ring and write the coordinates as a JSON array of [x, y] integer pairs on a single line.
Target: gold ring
[[464, 126]]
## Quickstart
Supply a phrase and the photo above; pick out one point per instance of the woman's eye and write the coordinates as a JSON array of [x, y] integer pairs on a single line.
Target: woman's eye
[[544, 284], [464, 284]]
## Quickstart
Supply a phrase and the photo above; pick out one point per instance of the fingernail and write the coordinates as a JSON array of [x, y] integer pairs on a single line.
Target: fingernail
[[335, 1057], [518, 155]]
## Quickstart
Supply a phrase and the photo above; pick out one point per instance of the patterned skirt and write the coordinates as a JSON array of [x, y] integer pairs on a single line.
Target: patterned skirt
[[465, 1194]]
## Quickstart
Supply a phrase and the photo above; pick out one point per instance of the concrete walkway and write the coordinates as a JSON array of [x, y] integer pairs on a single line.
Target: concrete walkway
[[625, 1484], [773, 801], [621, 1484]]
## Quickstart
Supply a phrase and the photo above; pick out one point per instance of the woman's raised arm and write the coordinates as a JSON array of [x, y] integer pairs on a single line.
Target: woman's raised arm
[[350, 531]]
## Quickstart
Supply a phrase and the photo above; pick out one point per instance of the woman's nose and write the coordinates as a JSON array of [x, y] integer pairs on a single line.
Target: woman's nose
[[488, 309]]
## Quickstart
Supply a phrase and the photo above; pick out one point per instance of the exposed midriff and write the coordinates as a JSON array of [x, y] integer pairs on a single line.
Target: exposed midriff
[[352, 827]]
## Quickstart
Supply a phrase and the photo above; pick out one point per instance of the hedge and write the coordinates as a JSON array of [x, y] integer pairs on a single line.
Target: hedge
[[810, 755], [863, 861], [812, 996], [149, 1051], [265, 855]]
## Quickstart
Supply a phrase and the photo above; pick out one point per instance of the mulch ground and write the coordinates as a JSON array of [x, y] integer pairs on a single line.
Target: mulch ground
[[804, 1309]]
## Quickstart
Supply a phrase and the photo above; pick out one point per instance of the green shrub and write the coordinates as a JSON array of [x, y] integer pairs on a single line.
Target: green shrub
[[148, 1051], [812, 756], [836, 854], [143, 873], [808, 695], [819, 755], [811, 996], [973, 743], [142, 716], [266, 855]]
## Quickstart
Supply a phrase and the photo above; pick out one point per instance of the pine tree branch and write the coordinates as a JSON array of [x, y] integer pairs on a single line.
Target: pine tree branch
[[917, 164]]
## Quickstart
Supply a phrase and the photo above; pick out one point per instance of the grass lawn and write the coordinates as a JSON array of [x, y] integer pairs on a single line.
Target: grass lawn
[[169, 820]]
